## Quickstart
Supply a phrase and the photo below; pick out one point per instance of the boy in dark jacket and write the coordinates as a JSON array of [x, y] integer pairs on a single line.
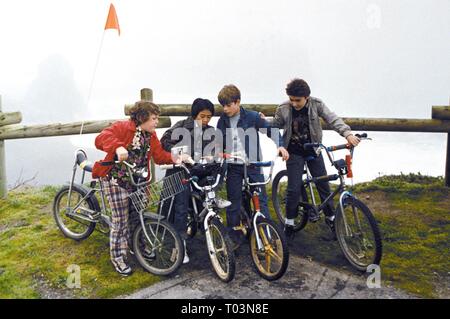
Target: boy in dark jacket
[[195, 133]]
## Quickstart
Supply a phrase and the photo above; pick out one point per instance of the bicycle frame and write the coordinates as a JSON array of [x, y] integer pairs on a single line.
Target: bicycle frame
[[254, 196], [342, 188], [103, 209]]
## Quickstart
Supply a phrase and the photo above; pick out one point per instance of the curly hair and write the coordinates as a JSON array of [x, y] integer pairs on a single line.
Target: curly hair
[[229, 94], [298, 87], [142, 110]]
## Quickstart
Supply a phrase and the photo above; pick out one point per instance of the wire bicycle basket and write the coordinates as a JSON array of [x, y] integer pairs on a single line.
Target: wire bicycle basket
[[153, 194]]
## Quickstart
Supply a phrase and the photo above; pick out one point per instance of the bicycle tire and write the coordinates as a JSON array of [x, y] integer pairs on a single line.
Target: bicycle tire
[[340, 233], [69, 231], [281, 246], [225, 268], [302, 220], [143, 253]]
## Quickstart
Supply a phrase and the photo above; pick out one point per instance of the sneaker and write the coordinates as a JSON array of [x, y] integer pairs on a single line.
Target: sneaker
[[121, 267], [289, 232], [222, 203], [147, 254], [186, 257]]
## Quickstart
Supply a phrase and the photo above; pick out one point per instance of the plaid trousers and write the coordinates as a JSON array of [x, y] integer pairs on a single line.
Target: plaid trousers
[[119, 235]]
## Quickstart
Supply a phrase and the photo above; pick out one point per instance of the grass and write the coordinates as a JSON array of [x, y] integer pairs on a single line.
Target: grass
[[412, 211], [34, 255]]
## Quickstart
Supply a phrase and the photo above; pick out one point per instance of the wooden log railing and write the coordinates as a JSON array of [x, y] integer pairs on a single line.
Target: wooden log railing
[[439, 123]]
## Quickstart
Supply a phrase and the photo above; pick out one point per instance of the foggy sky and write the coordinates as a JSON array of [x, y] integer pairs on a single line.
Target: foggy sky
[[363, 58]]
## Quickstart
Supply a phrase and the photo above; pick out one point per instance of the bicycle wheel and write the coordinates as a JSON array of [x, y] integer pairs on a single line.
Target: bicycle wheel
[[272, 260], [279, 195], [361, 242], [164, 253], [71, 226], [221, 253]]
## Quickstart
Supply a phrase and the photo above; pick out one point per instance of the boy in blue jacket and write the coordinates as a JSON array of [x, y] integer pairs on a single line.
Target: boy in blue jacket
[[239, 129]]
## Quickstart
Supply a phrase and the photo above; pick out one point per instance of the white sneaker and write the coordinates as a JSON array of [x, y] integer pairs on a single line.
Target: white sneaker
[[222, 203], [186, 257]]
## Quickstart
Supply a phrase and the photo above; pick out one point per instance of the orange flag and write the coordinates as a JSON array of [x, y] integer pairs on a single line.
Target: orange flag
[[112, 22]]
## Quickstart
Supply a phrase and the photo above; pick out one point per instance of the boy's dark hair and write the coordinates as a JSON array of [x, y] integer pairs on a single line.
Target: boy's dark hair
[[199, 105], [142, 110], [299, 88], [229, 94]]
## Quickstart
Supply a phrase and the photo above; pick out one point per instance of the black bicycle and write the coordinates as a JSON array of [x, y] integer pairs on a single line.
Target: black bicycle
[[355, 226]]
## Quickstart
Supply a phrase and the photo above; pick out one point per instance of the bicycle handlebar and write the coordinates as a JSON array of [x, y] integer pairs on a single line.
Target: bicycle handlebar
[[256, 164]]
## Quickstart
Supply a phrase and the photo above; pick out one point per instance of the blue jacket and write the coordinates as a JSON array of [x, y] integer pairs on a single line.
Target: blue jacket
[[248, 119]]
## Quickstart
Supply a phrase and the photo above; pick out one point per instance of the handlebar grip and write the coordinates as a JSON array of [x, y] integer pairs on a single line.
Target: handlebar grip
[[363, 135], [308, 146]]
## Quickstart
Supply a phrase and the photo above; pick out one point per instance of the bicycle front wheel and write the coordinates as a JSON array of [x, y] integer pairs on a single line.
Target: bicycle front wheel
[[272, 258], [358, 234], [221, 252], [162, 253], [279, 195]]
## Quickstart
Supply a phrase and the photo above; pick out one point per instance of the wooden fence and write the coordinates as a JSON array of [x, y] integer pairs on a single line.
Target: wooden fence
[[11, 129]]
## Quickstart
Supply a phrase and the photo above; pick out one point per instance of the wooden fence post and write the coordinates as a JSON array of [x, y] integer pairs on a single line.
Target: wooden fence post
[[147, 95], [3, 186]]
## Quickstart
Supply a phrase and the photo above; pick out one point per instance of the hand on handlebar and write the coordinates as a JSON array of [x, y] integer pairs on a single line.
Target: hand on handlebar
[[122, 154], [353, 140], [185, 158]]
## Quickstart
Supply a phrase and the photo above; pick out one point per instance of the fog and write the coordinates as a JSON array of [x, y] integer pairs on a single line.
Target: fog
[[363, 58]]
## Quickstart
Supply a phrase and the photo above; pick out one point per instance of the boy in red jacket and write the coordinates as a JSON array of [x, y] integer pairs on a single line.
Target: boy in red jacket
[[135, 141]]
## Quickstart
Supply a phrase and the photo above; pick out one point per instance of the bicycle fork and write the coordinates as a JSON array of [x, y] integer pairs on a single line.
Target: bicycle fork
[[256, 205]]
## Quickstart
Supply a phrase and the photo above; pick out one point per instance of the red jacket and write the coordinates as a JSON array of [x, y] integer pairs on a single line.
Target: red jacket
[[121, 133]]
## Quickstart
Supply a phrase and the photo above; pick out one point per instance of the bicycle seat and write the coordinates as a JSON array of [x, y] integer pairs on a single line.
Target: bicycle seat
[[83, 162]]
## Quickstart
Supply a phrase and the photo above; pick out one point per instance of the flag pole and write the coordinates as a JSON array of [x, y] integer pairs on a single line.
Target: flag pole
[[112, 22], [93, 78]]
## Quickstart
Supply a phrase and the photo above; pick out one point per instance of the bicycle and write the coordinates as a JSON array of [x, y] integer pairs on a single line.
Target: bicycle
[[203, 194], [156, 245], [360, 242], [268, 244]]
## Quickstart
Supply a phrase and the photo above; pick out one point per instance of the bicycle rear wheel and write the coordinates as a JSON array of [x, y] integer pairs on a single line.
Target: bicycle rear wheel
[[279, 195], [361, 241], [221, 253], [164, 253], [272, 260], [73, 223]]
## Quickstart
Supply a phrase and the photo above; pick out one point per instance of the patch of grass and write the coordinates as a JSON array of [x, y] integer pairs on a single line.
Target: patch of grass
[[413, 215], [412, 211], [33, 251]]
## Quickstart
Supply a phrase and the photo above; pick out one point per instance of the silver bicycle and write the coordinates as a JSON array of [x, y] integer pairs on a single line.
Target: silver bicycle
[[155, 243]]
